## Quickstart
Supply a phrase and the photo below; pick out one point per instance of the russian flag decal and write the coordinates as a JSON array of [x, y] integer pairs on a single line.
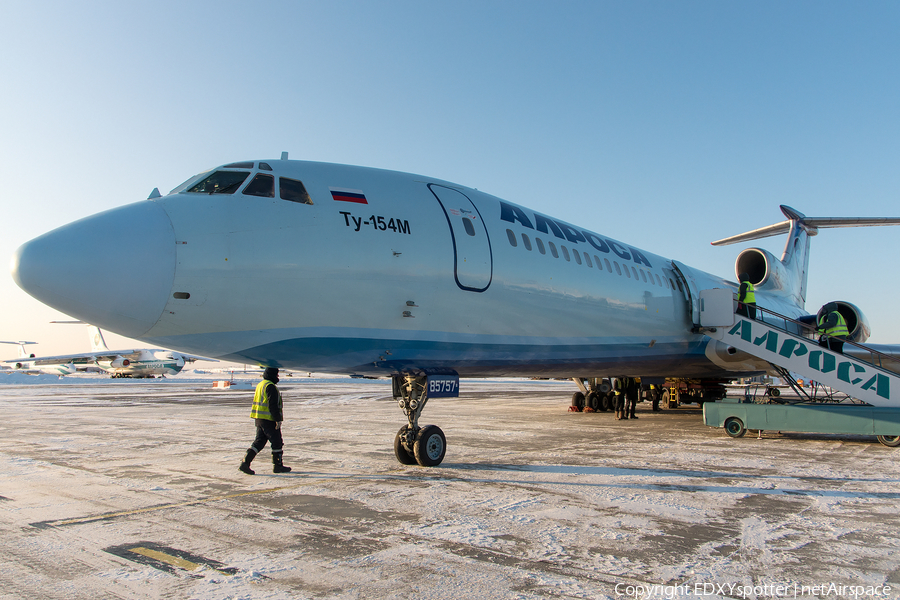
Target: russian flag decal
[[345, 195]]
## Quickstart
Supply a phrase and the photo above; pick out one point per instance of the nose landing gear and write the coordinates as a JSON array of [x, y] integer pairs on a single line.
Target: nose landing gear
[[425, 446]]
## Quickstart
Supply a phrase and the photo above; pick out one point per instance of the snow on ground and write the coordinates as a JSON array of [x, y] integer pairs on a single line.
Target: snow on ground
[[130, 489]]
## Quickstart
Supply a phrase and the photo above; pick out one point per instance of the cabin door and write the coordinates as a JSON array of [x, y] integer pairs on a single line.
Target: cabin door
[[473, 262]]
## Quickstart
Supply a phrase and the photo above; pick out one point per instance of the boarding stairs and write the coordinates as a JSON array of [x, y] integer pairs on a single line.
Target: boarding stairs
[[861, 373]]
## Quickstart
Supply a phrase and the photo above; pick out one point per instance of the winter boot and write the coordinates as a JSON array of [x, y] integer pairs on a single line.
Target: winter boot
[[277, 466], [245, 466]]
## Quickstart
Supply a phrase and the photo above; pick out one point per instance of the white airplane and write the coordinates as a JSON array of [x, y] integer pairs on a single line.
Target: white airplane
[[27, 362], [135, 363], [335, 268]]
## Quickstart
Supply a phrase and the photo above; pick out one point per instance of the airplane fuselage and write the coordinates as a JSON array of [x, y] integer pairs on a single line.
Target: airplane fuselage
[[384, 272]]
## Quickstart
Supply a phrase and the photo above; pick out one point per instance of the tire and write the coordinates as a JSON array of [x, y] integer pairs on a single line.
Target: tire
[[592, 400], [665, 400], [605, 404], [734, 427], [400, 452], [430, 446], [578, 401], [891, 441], [774, 392]]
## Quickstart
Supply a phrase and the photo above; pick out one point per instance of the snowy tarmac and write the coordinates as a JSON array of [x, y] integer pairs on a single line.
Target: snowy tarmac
[[130, 489]]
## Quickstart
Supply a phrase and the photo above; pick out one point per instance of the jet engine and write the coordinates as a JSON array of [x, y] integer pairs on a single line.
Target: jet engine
[[763, 268], [119, 362]]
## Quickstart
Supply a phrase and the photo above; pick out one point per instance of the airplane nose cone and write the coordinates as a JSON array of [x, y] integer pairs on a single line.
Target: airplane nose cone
[[114, 269]]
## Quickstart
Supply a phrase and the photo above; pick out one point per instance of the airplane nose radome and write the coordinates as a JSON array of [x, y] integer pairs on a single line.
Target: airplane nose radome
[[114, 269]]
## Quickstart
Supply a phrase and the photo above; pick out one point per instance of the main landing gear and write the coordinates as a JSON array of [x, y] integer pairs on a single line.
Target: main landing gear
[[426, 445]]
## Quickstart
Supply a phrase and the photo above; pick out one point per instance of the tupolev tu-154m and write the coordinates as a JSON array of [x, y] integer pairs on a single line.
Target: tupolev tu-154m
[[344, 269]]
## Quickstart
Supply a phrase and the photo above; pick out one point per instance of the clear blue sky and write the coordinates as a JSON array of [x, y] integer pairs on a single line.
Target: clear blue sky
[[664, 124]]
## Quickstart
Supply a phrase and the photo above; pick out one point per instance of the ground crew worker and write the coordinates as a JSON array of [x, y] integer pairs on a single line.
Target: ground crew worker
[[267, 412], [746, 297], [619, 389], [631, 398], [833, 327], [654, 397]]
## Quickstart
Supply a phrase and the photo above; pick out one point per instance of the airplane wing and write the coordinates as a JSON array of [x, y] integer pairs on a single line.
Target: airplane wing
[[90, 357], [194, 357], [83, 358]]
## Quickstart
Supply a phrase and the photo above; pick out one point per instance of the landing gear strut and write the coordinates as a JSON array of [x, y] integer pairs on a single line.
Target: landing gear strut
[[427, 445]]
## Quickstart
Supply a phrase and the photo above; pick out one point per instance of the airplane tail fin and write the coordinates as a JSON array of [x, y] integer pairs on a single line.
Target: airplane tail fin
[[790, 272], [98, 344], [23, 353]]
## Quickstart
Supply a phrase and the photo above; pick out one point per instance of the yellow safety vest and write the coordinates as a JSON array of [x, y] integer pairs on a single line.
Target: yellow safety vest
[[260, 408], [750, 297], [838, 330]]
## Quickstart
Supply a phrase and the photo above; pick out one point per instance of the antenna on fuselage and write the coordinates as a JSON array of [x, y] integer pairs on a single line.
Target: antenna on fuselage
[[284, 156]]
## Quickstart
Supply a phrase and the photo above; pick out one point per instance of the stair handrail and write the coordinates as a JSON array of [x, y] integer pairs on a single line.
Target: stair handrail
[[808, 331]]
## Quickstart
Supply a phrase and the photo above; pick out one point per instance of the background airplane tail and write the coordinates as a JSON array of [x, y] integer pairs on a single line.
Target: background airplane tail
[[788, 275], [23, 353], [98, 344]]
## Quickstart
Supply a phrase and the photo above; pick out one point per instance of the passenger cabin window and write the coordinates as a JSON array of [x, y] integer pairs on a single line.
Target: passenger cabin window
[[293, 191], [553, 249], [587, 260], [467, 225], [262, 186], [618, 270], [540, 245], [527, 242], [511, 237], [566, 253], [597, 260], [221, 182]]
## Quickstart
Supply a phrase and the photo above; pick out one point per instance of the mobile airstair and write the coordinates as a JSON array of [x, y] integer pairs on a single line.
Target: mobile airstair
[[854, 392]]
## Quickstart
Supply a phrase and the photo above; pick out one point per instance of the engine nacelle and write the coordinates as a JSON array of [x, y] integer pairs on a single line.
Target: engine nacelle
[[119, 363], [764, 269], [857, 322]]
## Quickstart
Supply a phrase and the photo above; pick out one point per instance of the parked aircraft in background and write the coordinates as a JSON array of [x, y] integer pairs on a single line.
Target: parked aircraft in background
[[334, 268], [27, 362], [136, 363]]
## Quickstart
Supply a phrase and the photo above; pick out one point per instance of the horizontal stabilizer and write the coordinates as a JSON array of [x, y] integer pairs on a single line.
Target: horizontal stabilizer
[[810, 224]]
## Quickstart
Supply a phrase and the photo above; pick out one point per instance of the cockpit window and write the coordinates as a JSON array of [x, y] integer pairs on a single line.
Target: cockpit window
[[239, 165], [265, 166], [293, 190], [261, 185], [221, 182]]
